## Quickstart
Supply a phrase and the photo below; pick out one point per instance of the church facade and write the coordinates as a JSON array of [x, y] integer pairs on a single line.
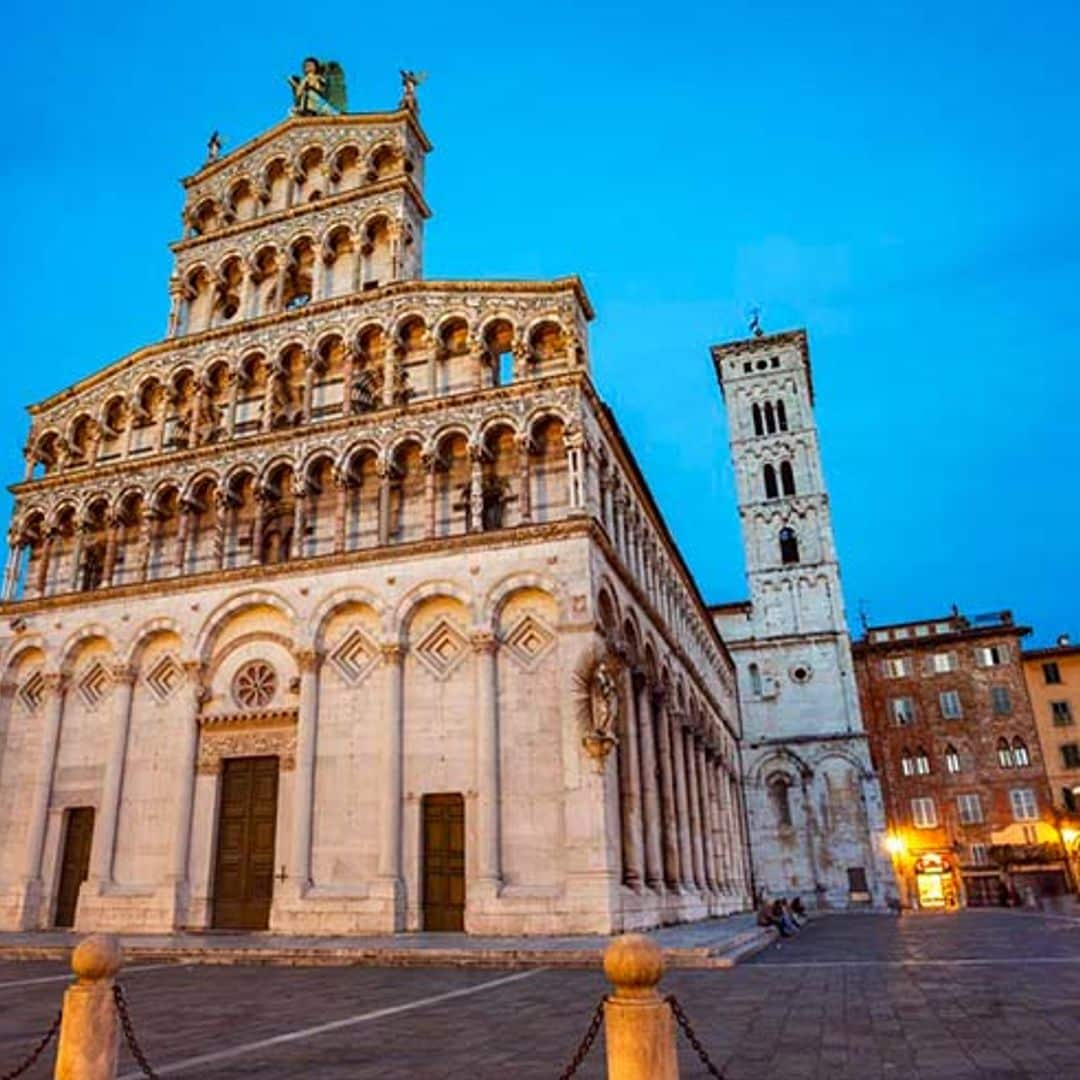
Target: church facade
[[814, 801], [344, 608]]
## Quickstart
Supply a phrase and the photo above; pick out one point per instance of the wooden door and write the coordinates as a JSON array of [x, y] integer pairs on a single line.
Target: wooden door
[[444, 862], [75, 862], [244, 865]]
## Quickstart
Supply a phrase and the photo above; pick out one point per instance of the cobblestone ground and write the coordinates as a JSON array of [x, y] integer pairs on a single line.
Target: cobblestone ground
[[994, 994]]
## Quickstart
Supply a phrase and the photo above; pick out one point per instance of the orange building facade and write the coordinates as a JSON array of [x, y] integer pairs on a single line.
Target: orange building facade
[[954, 740], [1053, 682]]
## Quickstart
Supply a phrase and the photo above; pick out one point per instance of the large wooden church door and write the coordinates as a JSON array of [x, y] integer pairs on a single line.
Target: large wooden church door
[[444, 862], [75, 863], [244, 866]]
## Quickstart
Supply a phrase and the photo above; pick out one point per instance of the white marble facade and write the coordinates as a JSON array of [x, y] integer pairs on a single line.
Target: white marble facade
[[382, 531]]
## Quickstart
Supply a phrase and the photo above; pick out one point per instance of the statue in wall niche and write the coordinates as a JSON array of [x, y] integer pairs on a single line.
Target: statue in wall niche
[[319, 90], [596, 687]]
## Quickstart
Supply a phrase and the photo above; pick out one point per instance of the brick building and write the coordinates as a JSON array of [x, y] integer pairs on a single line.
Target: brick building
[[954, 741]]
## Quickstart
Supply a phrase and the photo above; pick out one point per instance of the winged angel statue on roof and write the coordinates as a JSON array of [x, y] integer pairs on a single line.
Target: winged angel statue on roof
[[320, 90]]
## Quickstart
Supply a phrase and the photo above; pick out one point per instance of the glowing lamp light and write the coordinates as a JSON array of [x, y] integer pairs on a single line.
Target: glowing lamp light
[[1070, 836], [894, 845]]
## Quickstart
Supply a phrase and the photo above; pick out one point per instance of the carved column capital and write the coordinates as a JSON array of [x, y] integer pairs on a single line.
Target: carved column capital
[[56, 682], [392, 653], [124, 673], [483, 641], [308, 660]]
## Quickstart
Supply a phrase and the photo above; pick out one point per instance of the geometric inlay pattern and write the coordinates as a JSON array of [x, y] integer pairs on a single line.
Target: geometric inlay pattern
[[164, 677], [354, 657], [32, 692], [94, 684], [254, 685], [442, 648], [529, 640]]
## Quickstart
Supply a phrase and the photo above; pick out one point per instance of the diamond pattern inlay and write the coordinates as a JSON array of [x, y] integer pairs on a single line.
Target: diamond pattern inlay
[[441, 649], [164, 677], [32, 692], [354, 657], [529, 640], [94, 684]]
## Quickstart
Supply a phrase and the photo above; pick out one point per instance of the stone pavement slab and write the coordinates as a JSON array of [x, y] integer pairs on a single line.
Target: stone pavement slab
[[968, 996], [710, 943]]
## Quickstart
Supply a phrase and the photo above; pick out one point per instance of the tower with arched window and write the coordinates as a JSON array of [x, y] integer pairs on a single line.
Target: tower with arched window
[[804, 736]]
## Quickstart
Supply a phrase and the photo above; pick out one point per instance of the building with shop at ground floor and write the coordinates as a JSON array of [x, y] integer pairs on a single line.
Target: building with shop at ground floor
[[1053, 682], [954, 740]]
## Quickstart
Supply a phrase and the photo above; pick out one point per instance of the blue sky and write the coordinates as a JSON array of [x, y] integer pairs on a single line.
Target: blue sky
[[902, 182]]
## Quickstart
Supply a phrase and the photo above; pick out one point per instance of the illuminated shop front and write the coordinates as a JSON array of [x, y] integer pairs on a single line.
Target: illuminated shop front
[[935, 883]]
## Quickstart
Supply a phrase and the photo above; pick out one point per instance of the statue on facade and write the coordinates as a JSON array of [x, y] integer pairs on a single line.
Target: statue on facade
[[596, 687], [213, 147], [410, 80], [319, 90]]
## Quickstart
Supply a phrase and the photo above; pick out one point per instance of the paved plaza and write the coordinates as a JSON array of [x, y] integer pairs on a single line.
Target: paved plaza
[[974, 994]]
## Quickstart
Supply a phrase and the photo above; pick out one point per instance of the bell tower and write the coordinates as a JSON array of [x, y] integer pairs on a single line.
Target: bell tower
[[791, 561], [814, 802]]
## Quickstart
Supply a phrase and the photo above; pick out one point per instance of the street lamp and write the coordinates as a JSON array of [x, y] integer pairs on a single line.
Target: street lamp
[[894, 845]]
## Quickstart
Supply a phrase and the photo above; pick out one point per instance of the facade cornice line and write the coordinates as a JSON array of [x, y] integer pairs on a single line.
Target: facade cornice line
[[343, 120], [515, 536], [419, 287], [328, 202], [357, 423]]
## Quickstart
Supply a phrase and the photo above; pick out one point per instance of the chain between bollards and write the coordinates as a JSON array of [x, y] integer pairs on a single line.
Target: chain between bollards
[[37, 1051], [683, 1021], [129, 1033], [586, 1043]]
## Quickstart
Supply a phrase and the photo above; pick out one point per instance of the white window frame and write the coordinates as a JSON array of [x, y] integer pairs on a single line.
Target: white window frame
[[924, 812], [922, 764], [969, 808], [942, 663], [896, 667], [980, 855], [1024, 803], [902, 711], [952, 762], [950, 713], [987, 656]]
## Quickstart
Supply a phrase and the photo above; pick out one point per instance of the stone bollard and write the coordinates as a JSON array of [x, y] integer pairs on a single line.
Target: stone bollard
[[638, 1025], [90, 1030]]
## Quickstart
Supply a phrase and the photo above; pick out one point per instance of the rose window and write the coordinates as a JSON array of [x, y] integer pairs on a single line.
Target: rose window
[[254, 685]]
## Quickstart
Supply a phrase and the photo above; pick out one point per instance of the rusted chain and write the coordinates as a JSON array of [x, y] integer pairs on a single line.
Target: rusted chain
[[683, 1021], [37, 1051], [586, 1043], [129, 1033]]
